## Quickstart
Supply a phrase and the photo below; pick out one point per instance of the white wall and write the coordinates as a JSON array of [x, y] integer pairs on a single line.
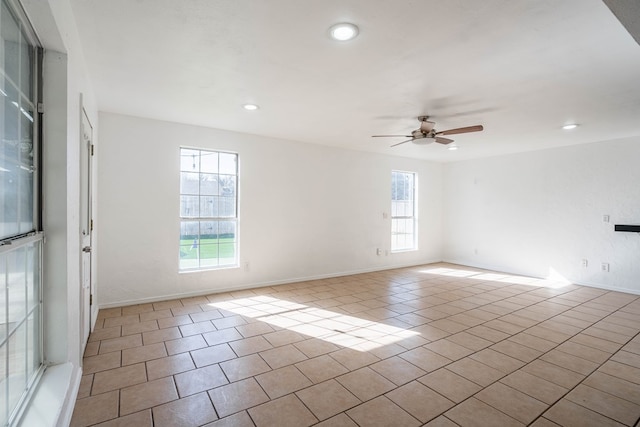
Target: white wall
[[540, 213], [305, 210]]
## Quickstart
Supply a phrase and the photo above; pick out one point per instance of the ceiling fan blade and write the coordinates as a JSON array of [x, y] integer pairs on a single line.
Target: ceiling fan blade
[[390, 136], [476, 128], [445, 141], [402, 142], [426, 126]]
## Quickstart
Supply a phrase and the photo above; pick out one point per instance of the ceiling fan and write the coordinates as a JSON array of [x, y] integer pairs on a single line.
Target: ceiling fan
[[427, 133]]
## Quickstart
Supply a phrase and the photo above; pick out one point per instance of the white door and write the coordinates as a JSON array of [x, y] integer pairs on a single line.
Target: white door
[[86, 224]]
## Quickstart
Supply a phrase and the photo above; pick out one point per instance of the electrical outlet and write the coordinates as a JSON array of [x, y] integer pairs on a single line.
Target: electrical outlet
[[585, 263], [385, 215], [378, 251], [605, 267], [605, 218]]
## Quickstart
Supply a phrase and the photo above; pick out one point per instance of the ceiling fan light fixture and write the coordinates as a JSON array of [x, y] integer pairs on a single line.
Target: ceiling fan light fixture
[[250, 107], [452, 147], [343, 31], [570, 126]]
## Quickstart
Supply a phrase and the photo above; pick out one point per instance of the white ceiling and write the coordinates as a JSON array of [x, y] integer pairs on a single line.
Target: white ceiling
[[522, 68]]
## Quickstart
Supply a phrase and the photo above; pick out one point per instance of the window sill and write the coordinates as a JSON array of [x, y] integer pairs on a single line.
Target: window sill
[[47, 405]]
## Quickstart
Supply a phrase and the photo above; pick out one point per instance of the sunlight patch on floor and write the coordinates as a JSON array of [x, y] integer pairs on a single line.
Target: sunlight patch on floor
[[337, 328], [553, 281]]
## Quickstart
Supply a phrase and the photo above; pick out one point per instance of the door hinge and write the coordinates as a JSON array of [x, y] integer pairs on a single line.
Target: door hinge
[[40, 107], [91, 225], [92, 149], [91, 299]]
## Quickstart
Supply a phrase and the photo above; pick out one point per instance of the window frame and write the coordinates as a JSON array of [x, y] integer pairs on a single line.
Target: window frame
[[27, 244], [413, 216], [218, 219]]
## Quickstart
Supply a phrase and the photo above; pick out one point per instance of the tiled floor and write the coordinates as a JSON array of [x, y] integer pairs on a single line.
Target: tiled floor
[[435, 345]]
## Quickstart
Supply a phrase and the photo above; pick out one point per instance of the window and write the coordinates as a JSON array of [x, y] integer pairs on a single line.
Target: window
[[403, 211], [20, 213], [208, 209]]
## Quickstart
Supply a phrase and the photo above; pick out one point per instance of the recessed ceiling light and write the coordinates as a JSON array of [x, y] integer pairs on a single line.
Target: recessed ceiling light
[[343, 31], [250, 107], [570, 126], [452, 147]]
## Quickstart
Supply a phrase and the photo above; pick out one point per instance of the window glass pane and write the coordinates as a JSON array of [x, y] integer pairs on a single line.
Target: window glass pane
[[33, 342], [226, 207], [189, 206], [17, 304], [209, 162], [3, 301], [189, 183], [208, 206], [209, 254], [17, 355], [227, 252], [4, 377], [229, 163], [189, 160], [403, 212], [33, 275], [209, 184], [227, 231]]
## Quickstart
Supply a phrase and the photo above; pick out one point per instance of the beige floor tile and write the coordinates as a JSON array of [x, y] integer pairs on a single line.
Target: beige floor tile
[[283, 337], [450, 385], [285, 411], [448, 349], [476, 371], [621, 410], [627, 358], [95, 409], [533, 342], [517, 351], [420, 401], [321, 368], [253, 329], [228, 322], [138, 419], [144, 353], [283, 381], [147, 395], [327, 399], [101, 362], [599, 343], [186, 309], [426, 360], [209, 313], [197, 380], [365, 383], [121, 320], [283, 356], [568, 361], [105, 334], [472, 412], [397, 370], [91, 349], [223, 336], [169, 365], [237, 396], [620, 370], [244, 367], [136, 328], [315, 347], [497, 360], [161, 335], [85, 386], [569, 414], [116, 344], [182, 345], [543, 422], [168, 322], [196, 328], [118, 378], [553, 373], [441, 421], [192, 411], [487, 333], [340, 420], [381, 412], [353, 359], [615, 386], [136, 309], [239, 419], [534, 386], [251, 345], [518, 405], [155, 315], [210, 355], [469, 341]]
